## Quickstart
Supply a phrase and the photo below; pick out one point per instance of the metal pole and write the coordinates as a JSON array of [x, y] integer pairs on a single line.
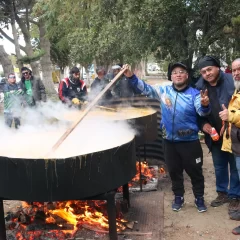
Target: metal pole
[[140, 169], [126, 193], [111, 209], [145, 153], [3, 235]]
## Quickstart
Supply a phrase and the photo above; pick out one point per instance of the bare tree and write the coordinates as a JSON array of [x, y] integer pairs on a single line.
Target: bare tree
[[46, 63]]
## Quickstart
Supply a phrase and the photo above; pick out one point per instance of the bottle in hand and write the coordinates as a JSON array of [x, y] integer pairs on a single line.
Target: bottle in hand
[[214, 135]]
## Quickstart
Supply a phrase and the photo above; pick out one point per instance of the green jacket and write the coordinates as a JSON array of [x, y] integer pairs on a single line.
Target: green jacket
[[38, 90], [13, 97]]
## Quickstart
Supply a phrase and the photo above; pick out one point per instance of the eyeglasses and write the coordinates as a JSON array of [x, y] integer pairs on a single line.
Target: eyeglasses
[[25, 73], [178, 72], [11, 77]]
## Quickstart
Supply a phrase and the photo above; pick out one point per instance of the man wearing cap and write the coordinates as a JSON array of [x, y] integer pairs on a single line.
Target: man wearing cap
[[220, 88], [122, 89], [33, 87], [180, 105], [72, 90]]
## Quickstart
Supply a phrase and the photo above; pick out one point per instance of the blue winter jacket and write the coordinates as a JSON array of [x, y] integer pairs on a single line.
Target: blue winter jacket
[[179, 109]]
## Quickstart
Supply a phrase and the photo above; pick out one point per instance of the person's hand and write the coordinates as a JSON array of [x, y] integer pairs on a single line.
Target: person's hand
[[128, 73], [207, 128], [76, 101], [224, 113], [204, 98]]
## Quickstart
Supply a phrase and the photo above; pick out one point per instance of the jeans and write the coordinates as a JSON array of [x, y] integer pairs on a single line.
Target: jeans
[[221, 160], [237, 158]]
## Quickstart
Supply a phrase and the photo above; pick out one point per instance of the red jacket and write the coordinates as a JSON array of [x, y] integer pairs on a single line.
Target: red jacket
[[68, 90]]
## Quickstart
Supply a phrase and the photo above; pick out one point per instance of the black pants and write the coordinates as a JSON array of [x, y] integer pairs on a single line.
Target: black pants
[[186, 156], [9, 118]]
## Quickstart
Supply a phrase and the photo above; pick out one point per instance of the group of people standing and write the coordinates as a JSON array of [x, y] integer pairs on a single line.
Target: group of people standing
[[73, 91], [28, 92], [213, 105]]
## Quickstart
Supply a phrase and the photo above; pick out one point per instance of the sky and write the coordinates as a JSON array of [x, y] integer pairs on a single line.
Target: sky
[[8, 46]]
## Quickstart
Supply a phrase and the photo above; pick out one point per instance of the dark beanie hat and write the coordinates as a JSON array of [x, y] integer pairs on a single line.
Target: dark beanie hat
[[208, 61], [74, 70]]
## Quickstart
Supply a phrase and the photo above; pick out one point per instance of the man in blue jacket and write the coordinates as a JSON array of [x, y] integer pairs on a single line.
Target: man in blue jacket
[[220, 88], [180, 105]]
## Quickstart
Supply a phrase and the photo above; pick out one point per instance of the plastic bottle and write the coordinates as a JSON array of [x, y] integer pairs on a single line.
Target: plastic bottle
[[214, 135]]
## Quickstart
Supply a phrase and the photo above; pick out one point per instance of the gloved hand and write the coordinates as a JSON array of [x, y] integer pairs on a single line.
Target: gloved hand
[[76, 101]]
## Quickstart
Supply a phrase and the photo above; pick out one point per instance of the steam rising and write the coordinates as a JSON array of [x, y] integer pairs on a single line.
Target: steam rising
[[41, 128]]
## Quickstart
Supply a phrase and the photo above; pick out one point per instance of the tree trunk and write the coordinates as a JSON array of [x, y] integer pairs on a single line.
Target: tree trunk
[[5, 62], [15, 36], [27, 39], [34, 65], [46, 63]]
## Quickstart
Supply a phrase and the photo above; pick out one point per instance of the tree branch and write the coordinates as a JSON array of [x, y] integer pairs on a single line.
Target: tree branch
[[34, 22], [23, 28], [11, 40]]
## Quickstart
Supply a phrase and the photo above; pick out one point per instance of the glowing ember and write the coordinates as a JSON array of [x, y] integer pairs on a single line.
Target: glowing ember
[[60, 220], [161, 170]]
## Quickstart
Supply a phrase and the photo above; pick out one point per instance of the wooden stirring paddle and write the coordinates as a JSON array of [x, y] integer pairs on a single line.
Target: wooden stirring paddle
[[84, 113]]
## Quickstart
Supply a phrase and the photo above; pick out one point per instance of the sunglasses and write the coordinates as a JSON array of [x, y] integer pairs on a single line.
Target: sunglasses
[[25, 73], [11, 77]]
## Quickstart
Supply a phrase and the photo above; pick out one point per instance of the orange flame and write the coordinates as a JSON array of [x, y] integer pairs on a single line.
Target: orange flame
[[162, 170], [73, 212], [145, 170]]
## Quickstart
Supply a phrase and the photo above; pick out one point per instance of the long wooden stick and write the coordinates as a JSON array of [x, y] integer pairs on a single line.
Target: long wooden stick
[[84, 113], [107, 108]]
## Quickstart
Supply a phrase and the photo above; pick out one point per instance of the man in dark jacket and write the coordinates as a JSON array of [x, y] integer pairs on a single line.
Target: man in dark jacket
[[72, 90], [220, 88], [32, 87], [13, 99], [122, 89], [99, 83]]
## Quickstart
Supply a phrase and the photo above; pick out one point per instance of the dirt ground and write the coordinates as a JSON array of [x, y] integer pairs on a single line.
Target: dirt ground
[[188, 224]]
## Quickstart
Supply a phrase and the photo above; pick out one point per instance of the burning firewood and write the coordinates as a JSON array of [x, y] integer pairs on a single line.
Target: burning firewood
[[24, 218], [57, 219]]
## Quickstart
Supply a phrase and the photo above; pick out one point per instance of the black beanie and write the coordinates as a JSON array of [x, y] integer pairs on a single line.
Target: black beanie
[[208, 61], [74, 70]]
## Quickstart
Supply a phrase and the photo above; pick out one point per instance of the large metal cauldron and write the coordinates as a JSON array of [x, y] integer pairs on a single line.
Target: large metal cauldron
[[77, 177], [149, 140], [142, 118]]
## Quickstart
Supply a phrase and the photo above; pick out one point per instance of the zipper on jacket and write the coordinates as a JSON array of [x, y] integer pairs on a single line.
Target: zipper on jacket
[[174, 114]]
